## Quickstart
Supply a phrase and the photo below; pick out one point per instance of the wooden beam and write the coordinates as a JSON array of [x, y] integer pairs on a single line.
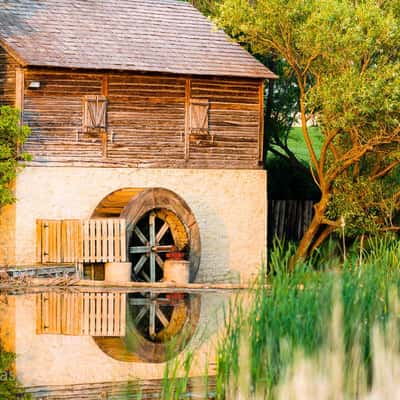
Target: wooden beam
[[187, 118], [261, 123], [104, 134], [121, 286], [19, 91], [104, 88]]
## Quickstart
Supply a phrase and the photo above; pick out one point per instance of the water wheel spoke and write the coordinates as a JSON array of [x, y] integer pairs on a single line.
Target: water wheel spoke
[[146, 277], [141, 313], [162, 232], [160, 261], [140, 263], [140, 235], [139, 302], [152, 230], [164, 249], [139, 249], [152, 320], [161, 316]]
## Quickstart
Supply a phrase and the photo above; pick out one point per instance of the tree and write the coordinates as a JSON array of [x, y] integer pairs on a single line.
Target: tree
[[344, 55], [281, 100], [12, 137]]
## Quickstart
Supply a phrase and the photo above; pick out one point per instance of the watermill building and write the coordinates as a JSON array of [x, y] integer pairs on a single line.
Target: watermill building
[[142, 115]]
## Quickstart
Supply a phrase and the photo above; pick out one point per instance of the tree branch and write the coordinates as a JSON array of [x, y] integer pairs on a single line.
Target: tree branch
[[384, 171], [333, 224], [324, 148], [322, 237], [354, 155]]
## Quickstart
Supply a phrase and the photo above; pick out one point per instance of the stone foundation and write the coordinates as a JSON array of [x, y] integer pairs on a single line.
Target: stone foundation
[[229, 205]]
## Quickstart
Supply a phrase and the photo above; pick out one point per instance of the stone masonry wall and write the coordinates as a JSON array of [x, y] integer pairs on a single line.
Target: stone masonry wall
[[229, 205]]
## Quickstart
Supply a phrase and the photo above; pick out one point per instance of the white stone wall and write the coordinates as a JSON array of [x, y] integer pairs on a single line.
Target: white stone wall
[[229, 205]]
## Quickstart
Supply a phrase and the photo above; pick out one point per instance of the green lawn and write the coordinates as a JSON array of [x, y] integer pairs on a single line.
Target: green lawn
[[297, 145]]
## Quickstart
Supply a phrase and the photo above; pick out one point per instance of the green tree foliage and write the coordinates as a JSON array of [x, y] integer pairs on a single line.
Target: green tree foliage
[[207, 7], [344, 55], [281, 108], [12, 136]]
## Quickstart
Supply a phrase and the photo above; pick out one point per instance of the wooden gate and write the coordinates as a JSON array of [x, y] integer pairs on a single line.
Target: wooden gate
[[73, 240], [81, 314]]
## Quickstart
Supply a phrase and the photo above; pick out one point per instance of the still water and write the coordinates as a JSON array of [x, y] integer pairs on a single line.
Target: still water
[[102, 344]]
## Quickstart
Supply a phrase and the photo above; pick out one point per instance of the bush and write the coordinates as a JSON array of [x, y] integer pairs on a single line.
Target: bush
[[12, 137], [9, 387]]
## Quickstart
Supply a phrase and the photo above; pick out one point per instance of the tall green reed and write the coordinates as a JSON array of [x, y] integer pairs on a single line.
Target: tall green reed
[[293, 312]]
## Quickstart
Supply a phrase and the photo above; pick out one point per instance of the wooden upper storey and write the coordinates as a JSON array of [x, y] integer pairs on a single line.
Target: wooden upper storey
[[151, 120], [148, 83]]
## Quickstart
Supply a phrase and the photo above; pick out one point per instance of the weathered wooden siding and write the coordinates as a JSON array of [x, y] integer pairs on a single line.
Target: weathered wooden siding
[[234, 121], [146, 120], [54, 114], [8, 67]]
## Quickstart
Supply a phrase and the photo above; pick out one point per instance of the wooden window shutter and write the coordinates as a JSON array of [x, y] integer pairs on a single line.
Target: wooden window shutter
[[74, 240], [94, 112], [199, 109]]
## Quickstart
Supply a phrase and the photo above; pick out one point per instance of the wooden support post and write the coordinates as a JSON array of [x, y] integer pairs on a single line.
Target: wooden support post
[[187, 118], [19, 91], [19, 97], [104, 134], [261, 123]]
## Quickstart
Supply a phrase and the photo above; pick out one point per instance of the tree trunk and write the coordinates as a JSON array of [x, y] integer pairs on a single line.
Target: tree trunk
[[309, 237]]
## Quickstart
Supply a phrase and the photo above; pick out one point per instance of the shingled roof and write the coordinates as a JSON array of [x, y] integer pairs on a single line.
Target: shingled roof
[[135, 35]]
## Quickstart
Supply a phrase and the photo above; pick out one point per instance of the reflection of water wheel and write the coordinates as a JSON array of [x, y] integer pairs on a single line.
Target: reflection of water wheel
[[158, 317], [175, 317]]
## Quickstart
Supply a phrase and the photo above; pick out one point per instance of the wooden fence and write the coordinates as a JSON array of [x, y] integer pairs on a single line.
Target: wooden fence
[[71, 241], [81, 314], [289, 219]]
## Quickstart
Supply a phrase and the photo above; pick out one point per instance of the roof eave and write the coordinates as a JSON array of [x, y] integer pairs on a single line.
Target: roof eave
[[13, 53], [259, 75]]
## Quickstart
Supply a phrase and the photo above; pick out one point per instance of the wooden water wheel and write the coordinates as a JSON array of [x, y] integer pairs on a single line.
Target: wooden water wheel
[[156, 233], [159, 221]]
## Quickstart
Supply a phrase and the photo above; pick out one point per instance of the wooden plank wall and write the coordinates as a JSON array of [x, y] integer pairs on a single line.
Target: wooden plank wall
[[289, 219], [54, 114], [7, 78], [146, 120], [146, 116], [234, 119]]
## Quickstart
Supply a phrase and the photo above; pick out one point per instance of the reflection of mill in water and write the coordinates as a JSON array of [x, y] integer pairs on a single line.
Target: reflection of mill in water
[[126, 326]]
